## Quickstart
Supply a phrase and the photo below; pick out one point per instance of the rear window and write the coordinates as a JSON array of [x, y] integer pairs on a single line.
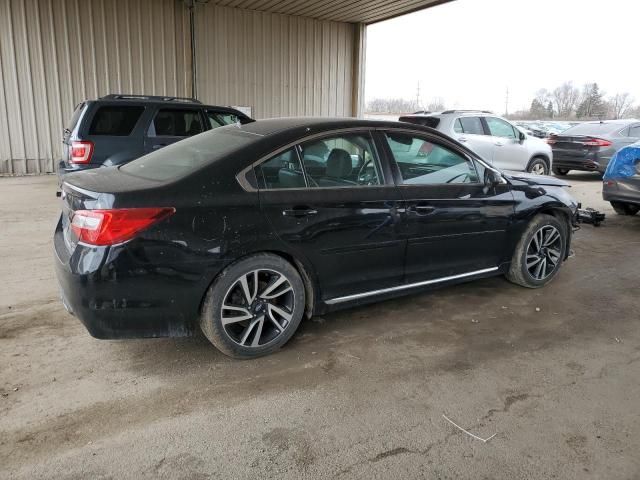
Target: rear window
[[76, 116], [189, 155], [593, 129], [116, 120]]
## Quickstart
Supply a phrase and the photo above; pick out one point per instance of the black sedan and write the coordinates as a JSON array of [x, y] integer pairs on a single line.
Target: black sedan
[[246, 229]]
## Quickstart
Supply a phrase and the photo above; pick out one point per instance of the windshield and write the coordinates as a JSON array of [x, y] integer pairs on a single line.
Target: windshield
[[593, 129], [187, 156]]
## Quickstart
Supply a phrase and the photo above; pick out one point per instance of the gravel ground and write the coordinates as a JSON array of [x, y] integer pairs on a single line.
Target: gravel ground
[[553, 373]]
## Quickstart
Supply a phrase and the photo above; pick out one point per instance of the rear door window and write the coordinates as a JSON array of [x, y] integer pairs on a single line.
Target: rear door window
[[115, 120], [170, 122], [282, 171], [471, 125]]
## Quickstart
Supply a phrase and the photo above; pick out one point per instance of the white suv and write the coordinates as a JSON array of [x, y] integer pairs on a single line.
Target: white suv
[[493, 138]]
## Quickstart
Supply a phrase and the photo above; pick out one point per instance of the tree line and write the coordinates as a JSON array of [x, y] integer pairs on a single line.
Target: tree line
[[568, 102], [565, 102]]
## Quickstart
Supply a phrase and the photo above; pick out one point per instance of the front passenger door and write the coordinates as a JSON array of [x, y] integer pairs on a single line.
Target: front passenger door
[[452, 222]]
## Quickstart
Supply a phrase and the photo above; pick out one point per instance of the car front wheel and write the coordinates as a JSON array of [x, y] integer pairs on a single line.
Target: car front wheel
[[254, 306], [540, 252], [622, 208], [538, 167], [560, 171]]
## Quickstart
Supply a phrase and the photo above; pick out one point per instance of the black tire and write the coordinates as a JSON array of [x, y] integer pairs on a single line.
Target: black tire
[[560, 171], [520, 272], [230, 287], [622, 208], [538, 166]]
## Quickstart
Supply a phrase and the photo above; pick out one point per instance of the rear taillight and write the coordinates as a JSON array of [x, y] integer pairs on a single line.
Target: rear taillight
[[109, 227], [81, 151], [597, 142]]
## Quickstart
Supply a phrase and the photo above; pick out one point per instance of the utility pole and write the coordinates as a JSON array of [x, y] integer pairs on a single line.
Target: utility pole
[[418, 96], [506, 103]]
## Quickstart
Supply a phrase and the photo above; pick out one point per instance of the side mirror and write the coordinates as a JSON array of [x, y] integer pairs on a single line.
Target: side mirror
[[492, 178], [522, 135]]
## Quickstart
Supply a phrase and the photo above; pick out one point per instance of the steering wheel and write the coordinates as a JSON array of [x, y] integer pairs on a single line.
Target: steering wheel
[[363, 177]]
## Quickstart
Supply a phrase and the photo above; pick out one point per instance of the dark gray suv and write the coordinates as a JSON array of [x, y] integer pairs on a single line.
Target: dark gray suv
[[116, 129]]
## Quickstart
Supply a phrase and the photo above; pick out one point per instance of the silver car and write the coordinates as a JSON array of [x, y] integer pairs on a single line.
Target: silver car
[[495, 139]]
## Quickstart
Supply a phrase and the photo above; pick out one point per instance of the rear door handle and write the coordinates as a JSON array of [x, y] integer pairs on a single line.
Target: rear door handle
[[499, 144], [462, 139], [299, 212]]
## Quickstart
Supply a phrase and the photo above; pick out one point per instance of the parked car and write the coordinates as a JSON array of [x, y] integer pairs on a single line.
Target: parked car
[[589, 146], [245, 229], [621, 185], [116, 129], [495, 139]]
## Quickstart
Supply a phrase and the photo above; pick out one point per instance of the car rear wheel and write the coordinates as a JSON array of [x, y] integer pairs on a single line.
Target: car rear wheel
[[540, 252], [560, 171], [254, 307], [538, 166], [622, 208]]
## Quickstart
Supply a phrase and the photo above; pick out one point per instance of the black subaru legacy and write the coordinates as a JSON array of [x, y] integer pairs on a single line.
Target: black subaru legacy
[[244, 230]]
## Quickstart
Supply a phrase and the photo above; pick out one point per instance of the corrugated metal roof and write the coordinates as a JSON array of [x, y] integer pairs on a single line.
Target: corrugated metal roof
[[354, 11]]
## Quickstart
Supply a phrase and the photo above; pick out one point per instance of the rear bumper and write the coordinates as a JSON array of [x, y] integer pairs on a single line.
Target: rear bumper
[[590, 163], [626, 190], [115, 293], [585, 165]]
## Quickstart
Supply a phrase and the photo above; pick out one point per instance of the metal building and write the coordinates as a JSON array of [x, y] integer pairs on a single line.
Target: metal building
[[278, 57]]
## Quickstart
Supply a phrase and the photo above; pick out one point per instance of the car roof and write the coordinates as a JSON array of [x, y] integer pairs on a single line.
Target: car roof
[[125, 99], [276, 125], [451, 112]]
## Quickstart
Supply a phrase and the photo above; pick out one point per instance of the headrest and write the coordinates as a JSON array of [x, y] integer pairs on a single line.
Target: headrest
[[339, 164], [317, 149]]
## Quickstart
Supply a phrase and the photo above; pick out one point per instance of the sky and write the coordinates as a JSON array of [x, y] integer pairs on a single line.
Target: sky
[[469, 52]]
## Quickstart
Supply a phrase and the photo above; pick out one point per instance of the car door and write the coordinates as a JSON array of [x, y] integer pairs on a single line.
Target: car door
[[330, 201], [172, 124], [453, 222], [510, 153], [470, 131]]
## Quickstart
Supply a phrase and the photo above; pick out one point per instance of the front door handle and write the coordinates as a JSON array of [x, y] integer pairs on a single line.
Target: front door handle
[[462, 139], [499, 144], [299, 212], [421, 209]]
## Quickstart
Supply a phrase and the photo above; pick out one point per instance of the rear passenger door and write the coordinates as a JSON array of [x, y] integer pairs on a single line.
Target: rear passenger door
[[170, 125], [330, 200], [471, 133]]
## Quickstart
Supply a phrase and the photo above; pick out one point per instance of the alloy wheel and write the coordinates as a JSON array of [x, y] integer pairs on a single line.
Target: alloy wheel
[[257, 308], [544, 252], [538, 169]]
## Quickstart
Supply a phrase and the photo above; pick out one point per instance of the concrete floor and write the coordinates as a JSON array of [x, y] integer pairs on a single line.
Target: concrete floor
[[357, 394]]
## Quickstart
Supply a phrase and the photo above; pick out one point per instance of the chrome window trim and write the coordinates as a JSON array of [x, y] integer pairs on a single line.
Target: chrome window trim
[[371, 293]]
